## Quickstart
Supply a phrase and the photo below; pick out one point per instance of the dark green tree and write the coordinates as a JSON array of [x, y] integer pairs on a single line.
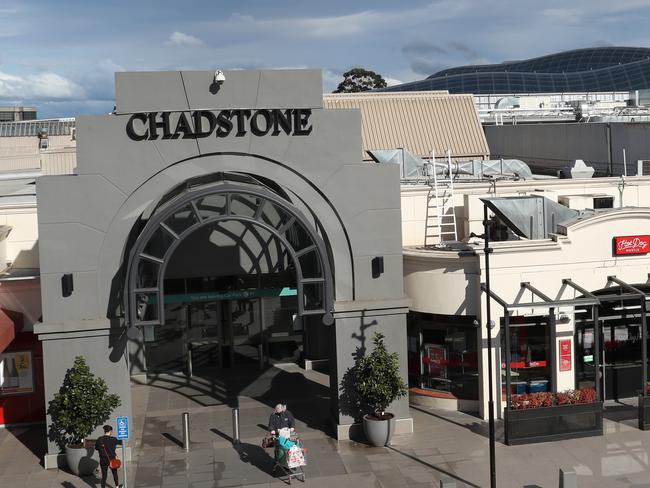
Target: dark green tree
[[378, 382], [360, 80], [82, 404]]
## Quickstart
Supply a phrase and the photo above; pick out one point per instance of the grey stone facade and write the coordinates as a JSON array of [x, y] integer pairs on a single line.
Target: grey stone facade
[[86, 221]]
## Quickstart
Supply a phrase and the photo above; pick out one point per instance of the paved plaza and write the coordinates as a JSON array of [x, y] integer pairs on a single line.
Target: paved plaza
[[444, 445]]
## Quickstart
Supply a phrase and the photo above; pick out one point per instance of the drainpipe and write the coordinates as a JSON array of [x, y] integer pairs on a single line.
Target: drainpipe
[[608, 137]]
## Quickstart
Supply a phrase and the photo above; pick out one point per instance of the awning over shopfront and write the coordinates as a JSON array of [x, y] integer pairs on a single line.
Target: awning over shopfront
[[546, 301], [10, 325]]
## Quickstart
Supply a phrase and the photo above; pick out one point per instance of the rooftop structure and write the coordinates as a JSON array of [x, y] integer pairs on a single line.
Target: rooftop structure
[[420, 122], [17, 113], [48, 146], [601, 69]]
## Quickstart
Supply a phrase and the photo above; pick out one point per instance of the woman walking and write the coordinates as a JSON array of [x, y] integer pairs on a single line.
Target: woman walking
[[105, 446]]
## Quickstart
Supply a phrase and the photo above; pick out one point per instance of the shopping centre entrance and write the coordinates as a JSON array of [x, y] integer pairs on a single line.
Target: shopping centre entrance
[[206, 330], [215, 226], [226, 274]]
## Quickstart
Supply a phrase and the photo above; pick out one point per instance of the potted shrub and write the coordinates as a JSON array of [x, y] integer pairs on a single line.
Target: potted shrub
[[378, 384], [81, 405]]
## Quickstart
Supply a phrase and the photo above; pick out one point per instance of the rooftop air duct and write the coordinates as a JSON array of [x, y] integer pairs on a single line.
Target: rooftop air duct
[[413, 168], [531, 217]]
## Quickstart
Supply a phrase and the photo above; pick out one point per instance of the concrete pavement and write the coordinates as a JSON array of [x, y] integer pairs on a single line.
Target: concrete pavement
[[444, 444]]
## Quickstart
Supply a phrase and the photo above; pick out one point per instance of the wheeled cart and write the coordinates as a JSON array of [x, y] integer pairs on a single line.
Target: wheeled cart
[[289, 459]]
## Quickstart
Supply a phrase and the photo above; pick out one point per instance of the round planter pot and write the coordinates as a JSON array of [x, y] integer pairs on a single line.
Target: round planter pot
[[82, 461], [379, 432]]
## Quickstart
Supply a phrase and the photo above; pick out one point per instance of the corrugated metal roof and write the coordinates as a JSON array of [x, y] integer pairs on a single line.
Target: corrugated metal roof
[[417, 121]]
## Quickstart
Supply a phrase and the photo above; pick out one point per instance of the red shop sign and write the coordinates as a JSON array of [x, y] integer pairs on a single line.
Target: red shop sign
[[565, 355], [565, 364], [625, 245]]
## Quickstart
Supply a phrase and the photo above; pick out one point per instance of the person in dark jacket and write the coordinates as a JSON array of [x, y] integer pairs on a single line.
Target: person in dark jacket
[[105, 447], [281, 419]]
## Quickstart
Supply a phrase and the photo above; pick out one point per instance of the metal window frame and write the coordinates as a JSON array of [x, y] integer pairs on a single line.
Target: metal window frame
[[189, 198]]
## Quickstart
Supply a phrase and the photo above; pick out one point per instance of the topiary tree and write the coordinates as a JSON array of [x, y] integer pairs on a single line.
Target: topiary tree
[[378, 382], [359, 80], [82, 404]]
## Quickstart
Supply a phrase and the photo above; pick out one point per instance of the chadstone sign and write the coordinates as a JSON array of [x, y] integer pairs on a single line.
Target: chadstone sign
[[222, 123]]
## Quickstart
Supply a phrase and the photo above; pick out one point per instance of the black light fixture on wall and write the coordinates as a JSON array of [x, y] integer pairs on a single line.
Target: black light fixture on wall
[[377, 266], [67, 285]]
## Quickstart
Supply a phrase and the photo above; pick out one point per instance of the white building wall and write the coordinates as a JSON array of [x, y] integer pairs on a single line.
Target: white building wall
[[22, 242], [448, 282], [630, 192], [23, 153], [584, 256]]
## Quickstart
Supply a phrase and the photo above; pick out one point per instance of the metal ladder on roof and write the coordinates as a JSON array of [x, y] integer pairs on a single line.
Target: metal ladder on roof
[[441, 216]]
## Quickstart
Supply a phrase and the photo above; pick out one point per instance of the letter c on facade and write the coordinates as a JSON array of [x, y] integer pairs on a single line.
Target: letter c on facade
[[130, 130]]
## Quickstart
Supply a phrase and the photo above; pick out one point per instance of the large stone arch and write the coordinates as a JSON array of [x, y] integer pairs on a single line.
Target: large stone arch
[[142, 202]]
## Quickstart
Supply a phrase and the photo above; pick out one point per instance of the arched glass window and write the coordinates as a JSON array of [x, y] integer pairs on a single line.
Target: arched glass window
[[193, 209]]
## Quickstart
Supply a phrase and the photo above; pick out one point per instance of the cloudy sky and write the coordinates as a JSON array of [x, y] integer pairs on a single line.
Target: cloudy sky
[[61, 55]]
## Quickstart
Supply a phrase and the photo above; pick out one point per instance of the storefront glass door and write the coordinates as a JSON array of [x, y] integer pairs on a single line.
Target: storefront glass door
[[204, 335], [443, 355], [244, 328], [530, 354], [620, 358], [224, 333], [165, 349]]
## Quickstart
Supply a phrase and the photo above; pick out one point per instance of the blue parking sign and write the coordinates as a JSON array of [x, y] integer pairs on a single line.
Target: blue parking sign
[[122, 428]]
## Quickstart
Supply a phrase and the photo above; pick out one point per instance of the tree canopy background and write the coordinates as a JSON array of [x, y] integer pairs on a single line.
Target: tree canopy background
[[360, 80]]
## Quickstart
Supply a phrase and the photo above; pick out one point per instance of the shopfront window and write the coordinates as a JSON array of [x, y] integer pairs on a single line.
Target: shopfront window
[[443, 354], [530, 354], [619, 354]]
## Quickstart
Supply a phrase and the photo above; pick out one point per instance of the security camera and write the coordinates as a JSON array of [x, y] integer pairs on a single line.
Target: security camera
[[219, 77]]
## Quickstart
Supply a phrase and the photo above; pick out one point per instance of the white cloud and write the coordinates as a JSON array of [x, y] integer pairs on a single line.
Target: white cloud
[[182, 39], [331, 79], [110, 66], [393, 81], [40, 86], [580, 9], [98, 79], [354, 24]]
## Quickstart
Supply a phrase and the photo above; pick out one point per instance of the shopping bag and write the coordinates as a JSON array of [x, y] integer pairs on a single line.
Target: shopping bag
[[295, 458], [268, 442]]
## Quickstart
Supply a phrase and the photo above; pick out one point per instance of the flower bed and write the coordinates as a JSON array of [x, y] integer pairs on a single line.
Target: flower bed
[[545, 399], [540, 417]]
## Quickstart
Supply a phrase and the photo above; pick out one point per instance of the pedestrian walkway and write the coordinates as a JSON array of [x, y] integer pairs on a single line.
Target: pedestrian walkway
[[444, 445]]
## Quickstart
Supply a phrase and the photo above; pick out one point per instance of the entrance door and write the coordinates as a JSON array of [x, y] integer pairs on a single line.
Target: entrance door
[[201, 335], [204, 336], [245, 332], [165, 350], [620, 358]]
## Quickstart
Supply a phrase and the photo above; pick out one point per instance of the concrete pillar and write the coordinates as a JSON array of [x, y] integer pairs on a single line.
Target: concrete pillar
[[355, 325]]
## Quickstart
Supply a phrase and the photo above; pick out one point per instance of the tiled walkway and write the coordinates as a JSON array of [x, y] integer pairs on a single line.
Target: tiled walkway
[[445, 444]]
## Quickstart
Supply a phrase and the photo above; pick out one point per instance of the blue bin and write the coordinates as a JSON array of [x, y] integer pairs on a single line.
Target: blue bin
[[518, 387], [537, 386]]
